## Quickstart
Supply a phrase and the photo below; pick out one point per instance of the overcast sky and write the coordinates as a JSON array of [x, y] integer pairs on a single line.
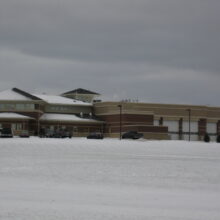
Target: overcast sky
[[155, 50]]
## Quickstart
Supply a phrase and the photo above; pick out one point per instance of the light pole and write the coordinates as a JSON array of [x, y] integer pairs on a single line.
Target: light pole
[[189, 119], [38, 121], [120, 107]]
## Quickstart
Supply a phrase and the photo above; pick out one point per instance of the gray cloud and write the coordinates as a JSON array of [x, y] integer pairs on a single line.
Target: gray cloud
[[157, 50]]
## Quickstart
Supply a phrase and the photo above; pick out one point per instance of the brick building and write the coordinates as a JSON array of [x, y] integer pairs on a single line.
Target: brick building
[[24, 111], [77, 112], [160, 121]]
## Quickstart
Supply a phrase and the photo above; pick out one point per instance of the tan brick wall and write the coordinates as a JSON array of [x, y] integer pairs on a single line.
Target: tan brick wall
[[169, 110], [172, 112]]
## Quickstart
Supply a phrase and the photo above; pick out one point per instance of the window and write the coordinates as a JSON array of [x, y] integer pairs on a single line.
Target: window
[[17, 126], [10, 106], [29, 106], [19, 106], [51, 127], [7, 106]]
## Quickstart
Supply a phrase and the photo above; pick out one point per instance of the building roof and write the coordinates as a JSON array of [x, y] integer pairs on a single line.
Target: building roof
[[80, 91], [12, 95], [59, 100], [11, 115], [67, 118], [28, 95], [17, 95]]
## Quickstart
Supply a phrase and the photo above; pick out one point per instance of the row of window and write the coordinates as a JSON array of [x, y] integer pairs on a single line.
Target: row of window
[[19, 107], [15, 126], [53, 108], [173, 126], [71, 128], [60, 108]]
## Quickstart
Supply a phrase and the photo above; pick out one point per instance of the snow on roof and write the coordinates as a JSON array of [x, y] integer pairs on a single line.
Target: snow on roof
[[12, 95], [11, 115], [66, 117], [16, 95], [55, 99]]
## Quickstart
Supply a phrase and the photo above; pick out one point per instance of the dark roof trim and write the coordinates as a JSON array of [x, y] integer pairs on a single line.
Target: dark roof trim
[[21, 92], [81, 91]]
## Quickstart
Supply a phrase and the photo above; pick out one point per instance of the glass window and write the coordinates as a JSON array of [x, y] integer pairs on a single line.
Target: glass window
[[9, 106], [29, 106], [19, 106], [52, 127], [17, 126], [13, 126]]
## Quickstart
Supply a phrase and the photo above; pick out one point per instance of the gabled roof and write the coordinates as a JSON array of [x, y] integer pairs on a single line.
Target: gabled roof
[[81, 91], [26, 94], [17, 94]]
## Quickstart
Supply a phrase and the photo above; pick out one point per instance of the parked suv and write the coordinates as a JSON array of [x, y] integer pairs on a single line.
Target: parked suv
[[6, 133], [132, 135], [95, 135]]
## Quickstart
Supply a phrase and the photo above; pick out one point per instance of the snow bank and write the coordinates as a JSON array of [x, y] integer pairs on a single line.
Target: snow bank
[[109, 179]]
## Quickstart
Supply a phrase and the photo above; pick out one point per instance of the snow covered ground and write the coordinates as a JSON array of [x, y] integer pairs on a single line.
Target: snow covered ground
[[78, 179]]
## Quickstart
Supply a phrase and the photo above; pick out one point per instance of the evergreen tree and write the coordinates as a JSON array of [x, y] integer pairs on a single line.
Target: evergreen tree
[[206, 138], [218, 139]]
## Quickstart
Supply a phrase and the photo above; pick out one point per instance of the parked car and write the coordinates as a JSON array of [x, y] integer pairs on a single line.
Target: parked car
[[95, 135], [67, 134], [132, 135], [24, 134], [6, 133], [49, 134], [62, 134]]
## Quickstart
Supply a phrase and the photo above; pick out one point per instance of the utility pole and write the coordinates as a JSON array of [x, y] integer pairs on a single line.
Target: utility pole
[[38, 121], [189, 120], [120, 107]]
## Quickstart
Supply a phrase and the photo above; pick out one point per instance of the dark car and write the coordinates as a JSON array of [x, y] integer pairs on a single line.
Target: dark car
[[95, 135], [24, 134], [62, 134], [6, 133], [132, 135], [49, 134], [66, 134]]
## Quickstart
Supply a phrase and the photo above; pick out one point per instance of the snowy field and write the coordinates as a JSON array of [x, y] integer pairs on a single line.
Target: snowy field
[[79, 179]]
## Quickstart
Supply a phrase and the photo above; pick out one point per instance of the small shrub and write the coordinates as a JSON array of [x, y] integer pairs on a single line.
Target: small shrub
[[218, 139], [206, 138]]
